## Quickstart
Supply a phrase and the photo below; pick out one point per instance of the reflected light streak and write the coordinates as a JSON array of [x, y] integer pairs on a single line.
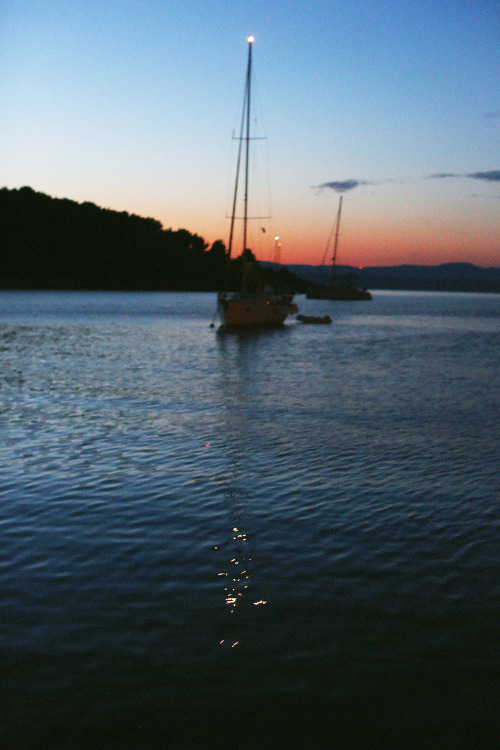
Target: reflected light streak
[[238, 577]]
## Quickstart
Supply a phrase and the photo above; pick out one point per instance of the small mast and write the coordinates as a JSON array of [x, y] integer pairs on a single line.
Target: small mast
[[334, 258]]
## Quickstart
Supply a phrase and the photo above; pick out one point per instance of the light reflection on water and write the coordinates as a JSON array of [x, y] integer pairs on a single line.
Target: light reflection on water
[[163, 481]]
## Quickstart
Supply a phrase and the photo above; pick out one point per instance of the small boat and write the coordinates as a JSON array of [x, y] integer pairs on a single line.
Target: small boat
[[255, 304], [342, 286], [314, 319]]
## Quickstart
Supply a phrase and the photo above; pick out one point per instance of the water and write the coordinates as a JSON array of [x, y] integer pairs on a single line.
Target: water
[[272, 539]]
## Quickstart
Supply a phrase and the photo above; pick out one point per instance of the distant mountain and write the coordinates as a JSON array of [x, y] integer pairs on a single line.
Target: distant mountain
[[463, 277]]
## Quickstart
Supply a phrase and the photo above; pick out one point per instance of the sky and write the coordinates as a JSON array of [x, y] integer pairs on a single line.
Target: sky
[[132, 105]]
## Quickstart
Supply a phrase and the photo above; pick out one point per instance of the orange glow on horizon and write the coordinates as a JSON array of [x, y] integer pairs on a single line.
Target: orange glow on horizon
[[395, 240]]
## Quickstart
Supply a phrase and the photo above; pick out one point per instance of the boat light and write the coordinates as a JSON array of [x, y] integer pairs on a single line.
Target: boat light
[[250, 39]]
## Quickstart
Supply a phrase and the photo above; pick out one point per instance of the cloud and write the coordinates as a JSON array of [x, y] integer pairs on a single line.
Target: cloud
[[491, 176], [342, 186], [493, 115], [442, 176]]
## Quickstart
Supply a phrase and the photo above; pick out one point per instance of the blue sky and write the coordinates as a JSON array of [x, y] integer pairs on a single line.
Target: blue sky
[[131, 105]]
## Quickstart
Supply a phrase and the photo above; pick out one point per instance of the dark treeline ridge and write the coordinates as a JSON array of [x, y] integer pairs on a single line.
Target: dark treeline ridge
[[57, 243]]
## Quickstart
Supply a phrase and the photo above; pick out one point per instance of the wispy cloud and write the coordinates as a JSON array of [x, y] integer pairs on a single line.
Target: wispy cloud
[[491, 176], [342, 186], [442, 175], [492, 115]]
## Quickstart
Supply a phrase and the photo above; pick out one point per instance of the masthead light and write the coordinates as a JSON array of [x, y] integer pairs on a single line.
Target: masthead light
[[250, 39]]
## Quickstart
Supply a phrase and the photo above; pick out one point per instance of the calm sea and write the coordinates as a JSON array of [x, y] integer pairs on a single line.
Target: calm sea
[[284, 538]]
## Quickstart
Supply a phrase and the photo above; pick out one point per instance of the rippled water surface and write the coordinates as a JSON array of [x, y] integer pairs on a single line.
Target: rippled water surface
[[273, 539]]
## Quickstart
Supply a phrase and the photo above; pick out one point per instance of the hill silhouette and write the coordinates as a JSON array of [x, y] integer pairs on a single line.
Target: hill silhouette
[[446, 277]]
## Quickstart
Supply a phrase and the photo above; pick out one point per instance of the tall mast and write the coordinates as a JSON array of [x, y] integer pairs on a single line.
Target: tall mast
[[250, 40], [334, 259], [245, 123], [236, 182]]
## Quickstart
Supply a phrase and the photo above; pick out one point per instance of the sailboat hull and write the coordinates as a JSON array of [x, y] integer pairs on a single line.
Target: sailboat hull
[[339, 292], [258, 310]]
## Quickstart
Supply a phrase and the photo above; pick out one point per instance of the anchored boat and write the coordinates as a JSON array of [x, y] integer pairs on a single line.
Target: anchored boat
[[342, 286], [255, 304]]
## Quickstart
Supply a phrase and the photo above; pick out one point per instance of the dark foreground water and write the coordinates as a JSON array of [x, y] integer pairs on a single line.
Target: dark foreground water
[[287, 538]]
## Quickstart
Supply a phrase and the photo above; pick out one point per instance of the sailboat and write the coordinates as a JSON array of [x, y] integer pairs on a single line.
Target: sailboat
[[254, 304], [342, 286]]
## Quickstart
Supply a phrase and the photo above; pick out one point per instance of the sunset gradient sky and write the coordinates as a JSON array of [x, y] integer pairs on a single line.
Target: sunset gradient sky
[[131, 105]]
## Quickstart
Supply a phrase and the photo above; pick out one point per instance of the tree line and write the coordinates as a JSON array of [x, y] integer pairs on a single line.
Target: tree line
[[57, 243]]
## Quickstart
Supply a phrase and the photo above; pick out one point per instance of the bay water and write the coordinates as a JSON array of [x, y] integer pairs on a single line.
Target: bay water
[[274, 538]]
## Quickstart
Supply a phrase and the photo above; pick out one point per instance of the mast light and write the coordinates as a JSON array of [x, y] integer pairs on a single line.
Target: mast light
[[250, 39]]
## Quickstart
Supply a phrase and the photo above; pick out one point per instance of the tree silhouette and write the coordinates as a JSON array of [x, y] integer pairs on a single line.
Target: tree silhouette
[[54, 243]]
